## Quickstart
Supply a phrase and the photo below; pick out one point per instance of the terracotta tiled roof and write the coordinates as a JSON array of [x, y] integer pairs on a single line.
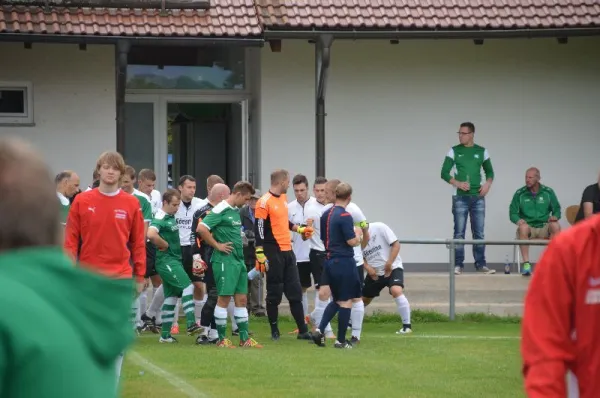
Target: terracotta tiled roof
[[428, 14], [224, 18]]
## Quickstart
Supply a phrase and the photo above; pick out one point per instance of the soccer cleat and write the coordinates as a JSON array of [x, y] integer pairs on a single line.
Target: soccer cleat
[[205, 340], [354, 340], [150, 323], [250, 343], [318, 338], [329, 334], [405, 330], [169, 339], [304, 336], [194, 329], [526, 270], [175, 328], [225, 343], [346, 345]]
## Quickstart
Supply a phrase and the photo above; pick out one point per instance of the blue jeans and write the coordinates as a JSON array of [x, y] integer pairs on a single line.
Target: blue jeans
[[474, 208]]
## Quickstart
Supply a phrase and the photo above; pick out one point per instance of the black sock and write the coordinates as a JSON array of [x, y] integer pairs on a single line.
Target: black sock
[[298, 313], [273, 315], [328, 314], [343, 320]]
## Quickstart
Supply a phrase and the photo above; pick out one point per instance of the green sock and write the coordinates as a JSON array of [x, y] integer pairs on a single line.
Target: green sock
[[168, 314], [188, 308], [241, 318], [221, 321]]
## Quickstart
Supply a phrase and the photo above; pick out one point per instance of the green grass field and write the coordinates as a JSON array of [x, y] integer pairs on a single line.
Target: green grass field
[[468, 358]]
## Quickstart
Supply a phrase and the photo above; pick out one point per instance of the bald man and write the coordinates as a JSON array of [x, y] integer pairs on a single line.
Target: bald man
[[67, 185], [535, 210]]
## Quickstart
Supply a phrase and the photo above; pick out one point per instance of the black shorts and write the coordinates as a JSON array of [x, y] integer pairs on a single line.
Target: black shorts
[[188, 261], [372, 288], [360, 270], [314, 267], [150, 260], [341, 277]]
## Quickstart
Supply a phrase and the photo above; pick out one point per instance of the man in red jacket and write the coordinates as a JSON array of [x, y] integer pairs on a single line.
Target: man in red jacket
[[561, 324], [109, 224]]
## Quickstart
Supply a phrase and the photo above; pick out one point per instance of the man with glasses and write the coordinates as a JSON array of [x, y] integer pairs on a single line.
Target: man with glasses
[[462, 169]]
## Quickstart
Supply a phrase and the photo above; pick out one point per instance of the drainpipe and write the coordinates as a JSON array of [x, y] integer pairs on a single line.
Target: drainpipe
[[322, 61], [121, 51]]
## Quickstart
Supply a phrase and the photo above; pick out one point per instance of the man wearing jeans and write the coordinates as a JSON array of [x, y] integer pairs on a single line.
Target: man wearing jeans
[[462, 169]]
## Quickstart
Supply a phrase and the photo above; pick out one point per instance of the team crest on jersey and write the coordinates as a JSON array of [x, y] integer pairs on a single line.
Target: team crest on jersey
[[120, 214]]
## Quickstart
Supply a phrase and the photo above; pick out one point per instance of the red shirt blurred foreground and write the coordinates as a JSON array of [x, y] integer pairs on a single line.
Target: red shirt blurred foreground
[[108, 225], [561, 323]]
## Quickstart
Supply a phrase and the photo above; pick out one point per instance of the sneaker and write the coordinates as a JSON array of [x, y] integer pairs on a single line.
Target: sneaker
[[304, 336], [318, 338], [485, 270], [225, 343], [457, 270], [346, 345], [175, 328], [150, 323], [526, 270], [405, 330], [329, 334], [250, 343], [354, 340], [205, 340], [194, 329], [169, 340]]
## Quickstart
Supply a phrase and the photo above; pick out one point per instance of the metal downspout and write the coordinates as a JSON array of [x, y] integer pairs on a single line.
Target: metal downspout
[[322, 62]]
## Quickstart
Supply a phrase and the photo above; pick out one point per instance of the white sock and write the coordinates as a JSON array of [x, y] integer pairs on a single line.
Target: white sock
[[158, 300], [198, 308], [317, 313], [135, 312], [119, 365], [356, 316], [142, 307], [220, 316], [230, 312], [213, 334], [403, 309], [305, 302], [177, 311]]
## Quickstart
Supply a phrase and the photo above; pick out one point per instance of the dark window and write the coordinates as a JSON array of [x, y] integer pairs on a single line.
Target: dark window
[[12, 101]]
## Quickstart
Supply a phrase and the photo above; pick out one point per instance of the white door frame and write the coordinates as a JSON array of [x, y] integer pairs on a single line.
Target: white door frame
[[160, 102]]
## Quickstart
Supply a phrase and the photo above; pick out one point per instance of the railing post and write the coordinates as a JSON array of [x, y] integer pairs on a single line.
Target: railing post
[[451, 265]]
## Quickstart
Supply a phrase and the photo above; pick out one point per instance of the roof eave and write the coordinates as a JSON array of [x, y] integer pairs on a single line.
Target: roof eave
[[398, 34]]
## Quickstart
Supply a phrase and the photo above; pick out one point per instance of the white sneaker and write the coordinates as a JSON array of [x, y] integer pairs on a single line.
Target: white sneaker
[[167, 340], [457, 270], [404, 331]]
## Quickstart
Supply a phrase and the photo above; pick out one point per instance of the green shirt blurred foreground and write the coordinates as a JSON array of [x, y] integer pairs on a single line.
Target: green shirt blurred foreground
[[62, 327]]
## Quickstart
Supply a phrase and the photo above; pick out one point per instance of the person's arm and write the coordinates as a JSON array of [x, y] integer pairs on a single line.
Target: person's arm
[[447, 167], [554, 205], [514, 209], [587, 202], [546, 344], [488, 169], [154, 236], [209, 223], [348, 229], [73, 231], [392, 240], [261, 213], [137, 242]]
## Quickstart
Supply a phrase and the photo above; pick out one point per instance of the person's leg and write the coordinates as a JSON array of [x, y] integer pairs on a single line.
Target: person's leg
[[293, 291], [226, 276], [396, 286], [305, 282], [274, 288], [477, 215], [460, 211], [551, 229], [358, 307], [523, 233], [240, 311]]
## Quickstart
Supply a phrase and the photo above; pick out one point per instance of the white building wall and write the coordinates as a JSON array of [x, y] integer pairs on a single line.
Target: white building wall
[[74, 101], [393, 112]]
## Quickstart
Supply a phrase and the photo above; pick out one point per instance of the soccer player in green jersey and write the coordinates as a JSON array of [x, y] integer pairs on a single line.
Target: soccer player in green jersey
[[462, 169], [127, 182], [67, 184], [164, 234], [222, 229]]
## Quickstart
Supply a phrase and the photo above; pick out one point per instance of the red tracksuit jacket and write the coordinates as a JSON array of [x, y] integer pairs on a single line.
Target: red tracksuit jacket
[[111, 229], [561, 322]]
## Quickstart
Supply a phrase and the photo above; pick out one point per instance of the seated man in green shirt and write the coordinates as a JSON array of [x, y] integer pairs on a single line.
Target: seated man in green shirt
[[536, 211]]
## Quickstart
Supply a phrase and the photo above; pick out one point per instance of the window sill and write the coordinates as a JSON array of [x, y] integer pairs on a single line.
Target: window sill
[[17, 124]]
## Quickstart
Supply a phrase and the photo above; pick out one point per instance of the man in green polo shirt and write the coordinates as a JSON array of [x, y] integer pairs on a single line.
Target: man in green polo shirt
[[536, 211], [462, 169], [67, 184]]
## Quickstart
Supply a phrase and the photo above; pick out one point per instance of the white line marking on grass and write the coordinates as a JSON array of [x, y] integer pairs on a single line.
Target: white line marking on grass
[[175, 381], [451, 336]]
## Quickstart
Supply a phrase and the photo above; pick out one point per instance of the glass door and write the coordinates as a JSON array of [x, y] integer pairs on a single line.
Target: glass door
[[140, 133]]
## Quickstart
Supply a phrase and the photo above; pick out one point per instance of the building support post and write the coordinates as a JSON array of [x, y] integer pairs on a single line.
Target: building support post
[[322, 61], [121, 52]]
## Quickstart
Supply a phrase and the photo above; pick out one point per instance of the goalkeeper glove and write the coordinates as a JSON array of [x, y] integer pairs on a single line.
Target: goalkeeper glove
[[262, 264], [198, 266], [305, 231]]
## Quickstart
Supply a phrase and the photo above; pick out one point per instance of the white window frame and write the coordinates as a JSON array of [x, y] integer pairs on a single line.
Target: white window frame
[[19, 119]]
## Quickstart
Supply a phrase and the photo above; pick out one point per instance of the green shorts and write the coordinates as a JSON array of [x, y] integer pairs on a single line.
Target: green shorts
[[231, 278], [174, 277]]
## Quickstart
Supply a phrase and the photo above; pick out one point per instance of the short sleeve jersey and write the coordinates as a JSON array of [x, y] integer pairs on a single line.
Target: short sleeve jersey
[[336, 229], [312, 211], [357, 217], [166, 226], [377, 251], [225, 224], [272, 223], [146, 207]]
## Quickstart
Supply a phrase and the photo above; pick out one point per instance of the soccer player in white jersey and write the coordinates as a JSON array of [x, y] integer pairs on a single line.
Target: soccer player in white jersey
[[301, 245], [358, 308], [383, 265], [146, 185]]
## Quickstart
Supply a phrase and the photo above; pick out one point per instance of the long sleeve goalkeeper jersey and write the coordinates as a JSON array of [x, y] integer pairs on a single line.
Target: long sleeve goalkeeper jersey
[[110, 228]]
